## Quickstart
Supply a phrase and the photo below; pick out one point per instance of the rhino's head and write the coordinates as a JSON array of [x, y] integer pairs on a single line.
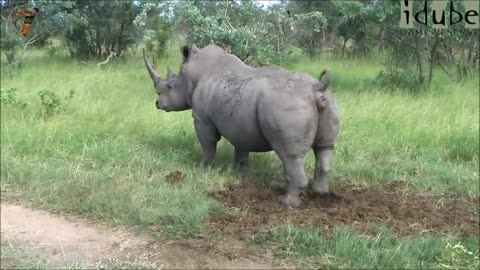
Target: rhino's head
[[173, 92]]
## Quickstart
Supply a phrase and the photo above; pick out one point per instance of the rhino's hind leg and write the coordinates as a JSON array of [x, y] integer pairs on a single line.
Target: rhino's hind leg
[[323, 163], [294, 170], [240, 160], [208, 136]]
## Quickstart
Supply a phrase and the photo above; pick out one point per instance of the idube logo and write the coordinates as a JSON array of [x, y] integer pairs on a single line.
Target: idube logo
[[437, 16]]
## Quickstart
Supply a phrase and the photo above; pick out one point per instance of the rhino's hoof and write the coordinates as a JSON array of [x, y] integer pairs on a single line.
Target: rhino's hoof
[[290, 200]]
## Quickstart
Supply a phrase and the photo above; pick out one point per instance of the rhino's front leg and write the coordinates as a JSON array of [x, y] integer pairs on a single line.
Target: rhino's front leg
[[208, 136], [240, 160]]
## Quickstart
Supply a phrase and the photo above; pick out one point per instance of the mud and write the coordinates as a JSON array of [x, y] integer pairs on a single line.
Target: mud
[[253, 207]]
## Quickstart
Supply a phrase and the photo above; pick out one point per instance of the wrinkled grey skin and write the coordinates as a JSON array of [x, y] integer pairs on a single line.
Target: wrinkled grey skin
[[256, 110]]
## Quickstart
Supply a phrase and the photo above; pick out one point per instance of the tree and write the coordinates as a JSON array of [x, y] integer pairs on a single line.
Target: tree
[[12, 42], [96, 28], [425, 48], [156, 26], [309, 30], [243, 28]]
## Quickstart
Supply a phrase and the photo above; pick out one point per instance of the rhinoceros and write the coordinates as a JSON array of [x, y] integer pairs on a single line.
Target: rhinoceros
[[256, 110]]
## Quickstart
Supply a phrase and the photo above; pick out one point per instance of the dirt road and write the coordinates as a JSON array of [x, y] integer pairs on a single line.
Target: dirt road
[[65, 240]]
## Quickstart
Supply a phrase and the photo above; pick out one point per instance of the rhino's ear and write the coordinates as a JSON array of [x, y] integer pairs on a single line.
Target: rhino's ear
[[185, 53]]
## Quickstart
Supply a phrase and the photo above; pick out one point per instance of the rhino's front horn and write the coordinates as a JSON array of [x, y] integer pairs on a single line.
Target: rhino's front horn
[[150, 69]]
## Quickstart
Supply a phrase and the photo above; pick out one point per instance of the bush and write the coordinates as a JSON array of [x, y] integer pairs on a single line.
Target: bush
[[9, 97], [257, 42], [54, 47], [393, 79], [52, 104]]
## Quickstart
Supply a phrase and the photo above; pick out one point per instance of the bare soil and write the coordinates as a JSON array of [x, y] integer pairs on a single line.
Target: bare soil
[[251, 207], [63, 241], [254, 207]]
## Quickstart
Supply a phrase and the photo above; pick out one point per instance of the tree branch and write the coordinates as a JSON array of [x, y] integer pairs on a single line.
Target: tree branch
[[32, 40], [112, 54], [226, 18]]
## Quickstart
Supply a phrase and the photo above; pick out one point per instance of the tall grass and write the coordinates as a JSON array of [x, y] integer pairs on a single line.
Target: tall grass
[[350, 250], [107, 154]]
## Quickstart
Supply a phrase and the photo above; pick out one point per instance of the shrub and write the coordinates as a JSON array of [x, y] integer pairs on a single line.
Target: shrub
[[257, 42], [9, 97], [393, 79], [52, 104]]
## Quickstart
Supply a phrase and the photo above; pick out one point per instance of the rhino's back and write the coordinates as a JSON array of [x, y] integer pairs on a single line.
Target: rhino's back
[[233, 103]]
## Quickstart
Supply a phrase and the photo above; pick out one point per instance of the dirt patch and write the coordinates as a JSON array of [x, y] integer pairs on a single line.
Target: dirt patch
[[175, 178], [62, 241], [253, 207]]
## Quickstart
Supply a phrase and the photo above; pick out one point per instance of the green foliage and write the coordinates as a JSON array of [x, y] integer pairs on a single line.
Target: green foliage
[[10, 40], [9, 97], [308, 27], [258, 41], [423, 51], [54, 47], [10, 37], [95, 28], [396, 79], [52, 104], [259, 36], [43, 27], [14, 66], [157, 29]]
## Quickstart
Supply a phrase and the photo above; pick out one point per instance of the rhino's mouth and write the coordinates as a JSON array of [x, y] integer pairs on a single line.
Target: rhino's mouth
[[160, 107]]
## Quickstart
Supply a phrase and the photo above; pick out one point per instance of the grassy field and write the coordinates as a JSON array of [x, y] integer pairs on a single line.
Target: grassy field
[[106, 153]]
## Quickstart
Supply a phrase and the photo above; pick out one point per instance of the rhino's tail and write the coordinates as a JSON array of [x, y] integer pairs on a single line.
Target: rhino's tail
[[324, 80]]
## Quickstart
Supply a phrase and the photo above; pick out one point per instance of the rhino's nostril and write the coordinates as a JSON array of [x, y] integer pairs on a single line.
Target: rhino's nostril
[[157, 104]]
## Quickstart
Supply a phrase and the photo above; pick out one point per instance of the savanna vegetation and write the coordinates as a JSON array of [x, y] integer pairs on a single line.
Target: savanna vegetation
[[86, 140]]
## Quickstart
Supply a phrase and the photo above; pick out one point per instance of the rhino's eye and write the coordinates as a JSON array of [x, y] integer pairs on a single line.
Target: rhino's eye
[[169, 87]]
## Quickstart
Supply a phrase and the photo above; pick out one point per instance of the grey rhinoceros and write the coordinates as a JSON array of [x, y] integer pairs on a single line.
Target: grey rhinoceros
[[256, 110]]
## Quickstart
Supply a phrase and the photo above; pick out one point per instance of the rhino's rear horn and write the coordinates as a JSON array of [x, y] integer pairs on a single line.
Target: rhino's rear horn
[[155, 77], [325, 78]]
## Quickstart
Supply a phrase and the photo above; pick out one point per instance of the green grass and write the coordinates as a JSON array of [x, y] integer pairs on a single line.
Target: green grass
[[13, 257], [348, 249], [106, 155]]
